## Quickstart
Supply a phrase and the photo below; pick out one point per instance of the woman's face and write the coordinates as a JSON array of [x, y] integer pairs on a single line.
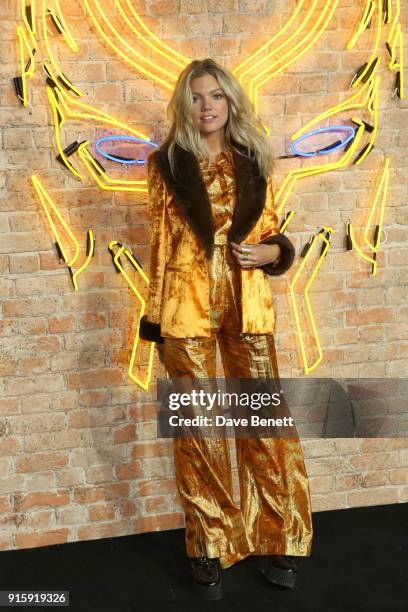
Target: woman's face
[[208, 101]]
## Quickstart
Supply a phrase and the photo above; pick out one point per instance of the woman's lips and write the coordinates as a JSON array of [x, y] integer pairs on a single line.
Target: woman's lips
[[208, 120]]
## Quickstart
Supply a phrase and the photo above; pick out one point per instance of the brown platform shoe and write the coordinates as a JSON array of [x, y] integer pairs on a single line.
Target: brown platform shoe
[[206, 576], [280, 569]]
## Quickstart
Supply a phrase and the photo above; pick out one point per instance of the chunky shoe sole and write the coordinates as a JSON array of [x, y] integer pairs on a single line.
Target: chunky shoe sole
[[209, 593], [277, 575]]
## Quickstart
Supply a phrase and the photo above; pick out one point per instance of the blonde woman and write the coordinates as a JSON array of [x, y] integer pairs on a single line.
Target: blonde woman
[[214, 241]]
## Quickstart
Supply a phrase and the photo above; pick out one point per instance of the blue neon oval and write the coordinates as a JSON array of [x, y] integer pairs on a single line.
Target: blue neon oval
[[333, 128], [119, 160]]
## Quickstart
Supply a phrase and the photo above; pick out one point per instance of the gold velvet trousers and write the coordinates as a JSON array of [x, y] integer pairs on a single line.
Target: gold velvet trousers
[[274, 516]]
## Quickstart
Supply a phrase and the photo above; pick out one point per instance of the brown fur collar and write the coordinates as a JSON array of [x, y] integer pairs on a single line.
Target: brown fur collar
[[191, 196]]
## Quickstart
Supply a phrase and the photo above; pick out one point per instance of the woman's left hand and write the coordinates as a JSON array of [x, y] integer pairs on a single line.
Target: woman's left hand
[[255, 255]]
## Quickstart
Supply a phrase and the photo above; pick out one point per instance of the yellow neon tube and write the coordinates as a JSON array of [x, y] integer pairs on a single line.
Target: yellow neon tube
[[23, 42], [370, 100], [393, 64], [360, 252], [389, 11], [48, 204], [373, 109], [376, 44], [65, 30], [367, 15], [401, 63], [143, 384], [31, 30], [179, 60], [87, 260], [115, 35], [61, 100], [241, 73], [302, 46], [287, 186], [394, 35], [57, 124], [52, 59], [287, 43], [308, 368], [123, 251], [286, 222], [65, 102], [382, 188], [348, 104], [395, 21], [112, 184]]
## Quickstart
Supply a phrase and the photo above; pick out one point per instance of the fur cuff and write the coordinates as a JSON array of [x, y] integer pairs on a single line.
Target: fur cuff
[[286, 258], [150, 331]]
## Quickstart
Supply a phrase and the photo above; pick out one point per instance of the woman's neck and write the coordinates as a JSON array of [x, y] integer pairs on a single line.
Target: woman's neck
[[215, 146]]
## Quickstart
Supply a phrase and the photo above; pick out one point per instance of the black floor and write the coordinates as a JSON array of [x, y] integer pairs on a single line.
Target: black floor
[[359, 562]]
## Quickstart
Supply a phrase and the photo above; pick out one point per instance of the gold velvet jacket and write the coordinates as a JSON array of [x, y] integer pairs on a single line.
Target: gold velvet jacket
[[182, 241]]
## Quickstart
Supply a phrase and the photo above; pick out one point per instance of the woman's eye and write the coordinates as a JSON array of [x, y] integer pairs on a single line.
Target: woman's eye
[[215, 96]]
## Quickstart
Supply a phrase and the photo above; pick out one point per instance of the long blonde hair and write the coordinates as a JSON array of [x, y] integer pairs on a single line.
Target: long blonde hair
[[243, 124]]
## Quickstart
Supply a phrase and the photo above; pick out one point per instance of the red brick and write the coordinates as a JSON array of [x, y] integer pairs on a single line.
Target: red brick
[[153, 487], [92, 320], [33, 365], [32, 326], [373, 497], [399, 476], [37, 442], [27, 385], [151, 449], [80, 419], [5, 504], [47, 538], [95, 378], [107, 530], [125, 471], [126, 433], [94, 398], [41, 461], [346, 482], [8, 365], [375, 461], [102, 512], [375, 479], [160, 522], [369, 315], [61, 324], [9, 446], [157, 504], [9, 405]]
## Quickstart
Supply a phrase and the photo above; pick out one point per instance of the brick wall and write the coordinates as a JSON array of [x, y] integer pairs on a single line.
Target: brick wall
[[79, 457]]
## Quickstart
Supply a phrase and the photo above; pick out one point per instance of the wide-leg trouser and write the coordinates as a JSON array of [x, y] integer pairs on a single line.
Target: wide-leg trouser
[[274, 516]]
